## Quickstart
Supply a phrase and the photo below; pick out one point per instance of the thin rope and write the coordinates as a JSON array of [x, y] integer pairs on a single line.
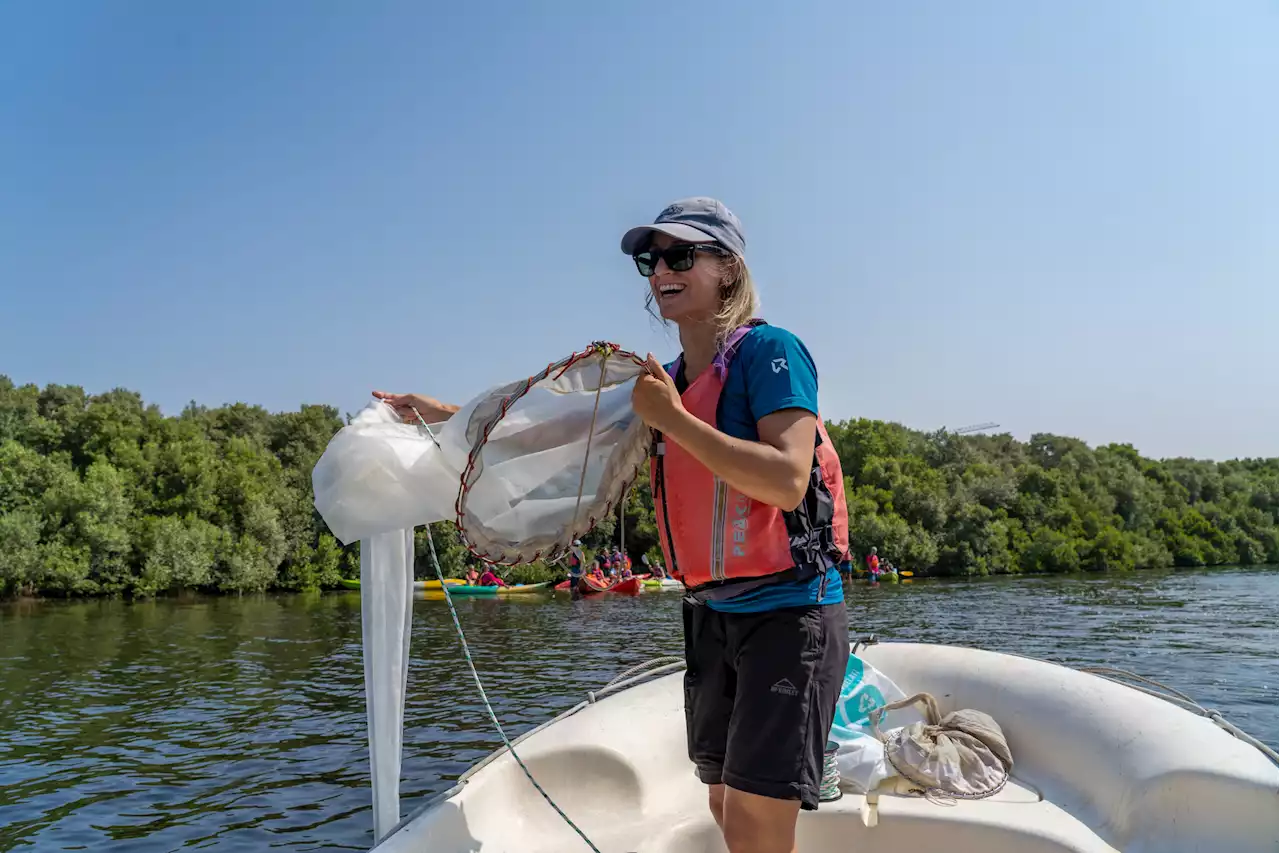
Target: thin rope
[[475, 674], [649, 664], [586, 457], [506, 741], [1176, 697], [423, 421]]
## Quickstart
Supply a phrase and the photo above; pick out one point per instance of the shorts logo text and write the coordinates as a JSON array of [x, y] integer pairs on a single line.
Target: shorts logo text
[[785, 688]]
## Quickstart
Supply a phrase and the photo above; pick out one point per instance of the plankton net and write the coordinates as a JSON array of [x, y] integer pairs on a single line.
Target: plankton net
[[523, 469]]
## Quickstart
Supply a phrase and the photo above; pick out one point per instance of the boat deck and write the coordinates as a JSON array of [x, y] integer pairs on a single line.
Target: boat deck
[[619, 769]]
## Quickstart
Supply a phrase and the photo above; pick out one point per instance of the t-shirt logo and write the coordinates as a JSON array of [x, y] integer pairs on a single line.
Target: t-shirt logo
[[779, 365]]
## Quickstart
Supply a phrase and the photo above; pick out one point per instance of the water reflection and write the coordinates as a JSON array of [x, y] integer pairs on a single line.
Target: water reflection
[[239, 722]]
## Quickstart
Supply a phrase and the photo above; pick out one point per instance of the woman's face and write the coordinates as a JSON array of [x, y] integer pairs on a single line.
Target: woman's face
[[692, 295]]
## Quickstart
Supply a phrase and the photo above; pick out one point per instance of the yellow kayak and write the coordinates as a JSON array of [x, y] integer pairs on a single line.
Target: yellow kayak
[[525, 588], [436, 584]]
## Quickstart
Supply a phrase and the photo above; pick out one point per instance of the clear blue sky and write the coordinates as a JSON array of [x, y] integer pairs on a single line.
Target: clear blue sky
[[1059, 217]]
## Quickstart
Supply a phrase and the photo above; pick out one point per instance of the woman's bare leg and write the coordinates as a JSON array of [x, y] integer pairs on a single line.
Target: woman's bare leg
[[755, 824], [715, 798]]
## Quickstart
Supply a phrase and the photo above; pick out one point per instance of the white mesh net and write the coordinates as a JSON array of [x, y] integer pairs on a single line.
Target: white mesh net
[[522, 468], [550, 456]]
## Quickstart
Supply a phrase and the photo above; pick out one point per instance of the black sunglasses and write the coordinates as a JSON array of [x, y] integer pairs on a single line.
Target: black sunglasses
[[679, 257]]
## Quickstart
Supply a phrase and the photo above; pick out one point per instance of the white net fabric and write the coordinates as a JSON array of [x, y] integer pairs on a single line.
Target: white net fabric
[[523, 469], [550, 456]]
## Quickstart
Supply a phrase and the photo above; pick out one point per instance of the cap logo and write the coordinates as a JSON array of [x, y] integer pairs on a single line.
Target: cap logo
[[673, 210]]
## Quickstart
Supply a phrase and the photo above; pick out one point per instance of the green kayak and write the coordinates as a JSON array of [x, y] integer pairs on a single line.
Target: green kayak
[[519, 589], [479, 591], [456, 589]]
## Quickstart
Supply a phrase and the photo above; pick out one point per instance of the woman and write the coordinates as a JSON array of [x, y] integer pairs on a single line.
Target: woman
[[746, 477], [473, 576], [490, 578]]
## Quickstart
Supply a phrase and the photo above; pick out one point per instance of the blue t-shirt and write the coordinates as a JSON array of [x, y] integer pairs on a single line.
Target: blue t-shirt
[[770, 371]]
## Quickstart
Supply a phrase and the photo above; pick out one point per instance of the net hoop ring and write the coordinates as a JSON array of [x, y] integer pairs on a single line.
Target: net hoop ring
[[604, 350]]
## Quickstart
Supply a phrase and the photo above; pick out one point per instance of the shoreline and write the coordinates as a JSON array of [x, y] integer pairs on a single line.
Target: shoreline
[[854, 579]]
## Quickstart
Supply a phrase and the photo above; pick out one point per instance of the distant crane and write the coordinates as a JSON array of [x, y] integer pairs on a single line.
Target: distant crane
[[974, 428]]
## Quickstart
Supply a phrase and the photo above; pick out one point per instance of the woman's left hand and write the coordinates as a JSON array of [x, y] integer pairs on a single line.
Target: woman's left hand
[[655, 398]]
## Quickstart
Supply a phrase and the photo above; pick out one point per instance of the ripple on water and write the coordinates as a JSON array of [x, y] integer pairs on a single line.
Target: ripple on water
[[238, 723]]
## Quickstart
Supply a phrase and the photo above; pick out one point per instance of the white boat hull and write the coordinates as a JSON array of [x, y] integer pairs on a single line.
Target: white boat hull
[[1098, 767]]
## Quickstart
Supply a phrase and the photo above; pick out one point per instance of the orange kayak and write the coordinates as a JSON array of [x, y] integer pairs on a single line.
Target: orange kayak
[[630, 586], [589, 585]]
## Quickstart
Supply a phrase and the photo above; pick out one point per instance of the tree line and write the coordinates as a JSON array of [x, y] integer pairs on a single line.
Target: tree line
[[104, 495]]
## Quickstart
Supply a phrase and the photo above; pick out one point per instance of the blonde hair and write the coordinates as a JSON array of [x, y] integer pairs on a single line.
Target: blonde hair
[[739, 302]]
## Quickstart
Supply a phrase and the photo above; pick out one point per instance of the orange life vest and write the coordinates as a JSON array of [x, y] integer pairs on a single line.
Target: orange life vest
[[713, 535]]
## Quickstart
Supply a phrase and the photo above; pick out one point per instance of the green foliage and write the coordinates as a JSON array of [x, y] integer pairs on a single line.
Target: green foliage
[[976, 505], [102, 494]]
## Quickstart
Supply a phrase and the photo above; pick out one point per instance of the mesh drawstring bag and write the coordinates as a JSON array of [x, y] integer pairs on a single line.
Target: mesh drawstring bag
[[963, 754]]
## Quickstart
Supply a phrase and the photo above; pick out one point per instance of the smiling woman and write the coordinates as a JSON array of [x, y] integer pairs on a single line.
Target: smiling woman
[[749, 499]]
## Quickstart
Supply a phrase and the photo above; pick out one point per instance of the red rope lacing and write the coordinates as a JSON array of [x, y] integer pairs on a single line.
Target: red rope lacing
[[604, 349]]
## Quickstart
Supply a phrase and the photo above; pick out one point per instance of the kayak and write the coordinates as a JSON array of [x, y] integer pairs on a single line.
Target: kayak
[[519, 589], [630, 586], [590, 586], [1098, 767], [654, 584], [436, 584], [474, 591], [354, 583]]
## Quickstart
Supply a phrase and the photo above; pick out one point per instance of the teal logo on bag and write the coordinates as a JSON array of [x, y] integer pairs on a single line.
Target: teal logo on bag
[[858, 698], [852, 676], [867, 700]]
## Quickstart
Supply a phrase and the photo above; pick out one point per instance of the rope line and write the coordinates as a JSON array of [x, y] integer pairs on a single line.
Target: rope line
[[466, 653], [591, 432], [1176, 697], [484, 696]]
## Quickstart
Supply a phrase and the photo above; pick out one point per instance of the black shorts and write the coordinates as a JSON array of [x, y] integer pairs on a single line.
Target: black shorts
[[760, 694]]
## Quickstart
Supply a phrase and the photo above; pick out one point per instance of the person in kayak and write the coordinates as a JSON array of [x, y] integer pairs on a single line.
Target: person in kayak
[[489, 578], [742, 460], [472, 576], [577, 566], [749, 498]]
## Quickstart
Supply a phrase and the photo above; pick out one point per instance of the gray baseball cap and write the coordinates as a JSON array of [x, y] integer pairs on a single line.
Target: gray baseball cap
[[697, 220]]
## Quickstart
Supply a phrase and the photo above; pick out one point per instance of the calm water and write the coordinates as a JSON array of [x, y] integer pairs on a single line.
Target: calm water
[[238, 724]]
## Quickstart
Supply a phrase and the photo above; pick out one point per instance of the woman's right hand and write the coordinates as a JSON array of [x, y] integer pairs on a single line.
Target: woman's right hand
[[431, 409]]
